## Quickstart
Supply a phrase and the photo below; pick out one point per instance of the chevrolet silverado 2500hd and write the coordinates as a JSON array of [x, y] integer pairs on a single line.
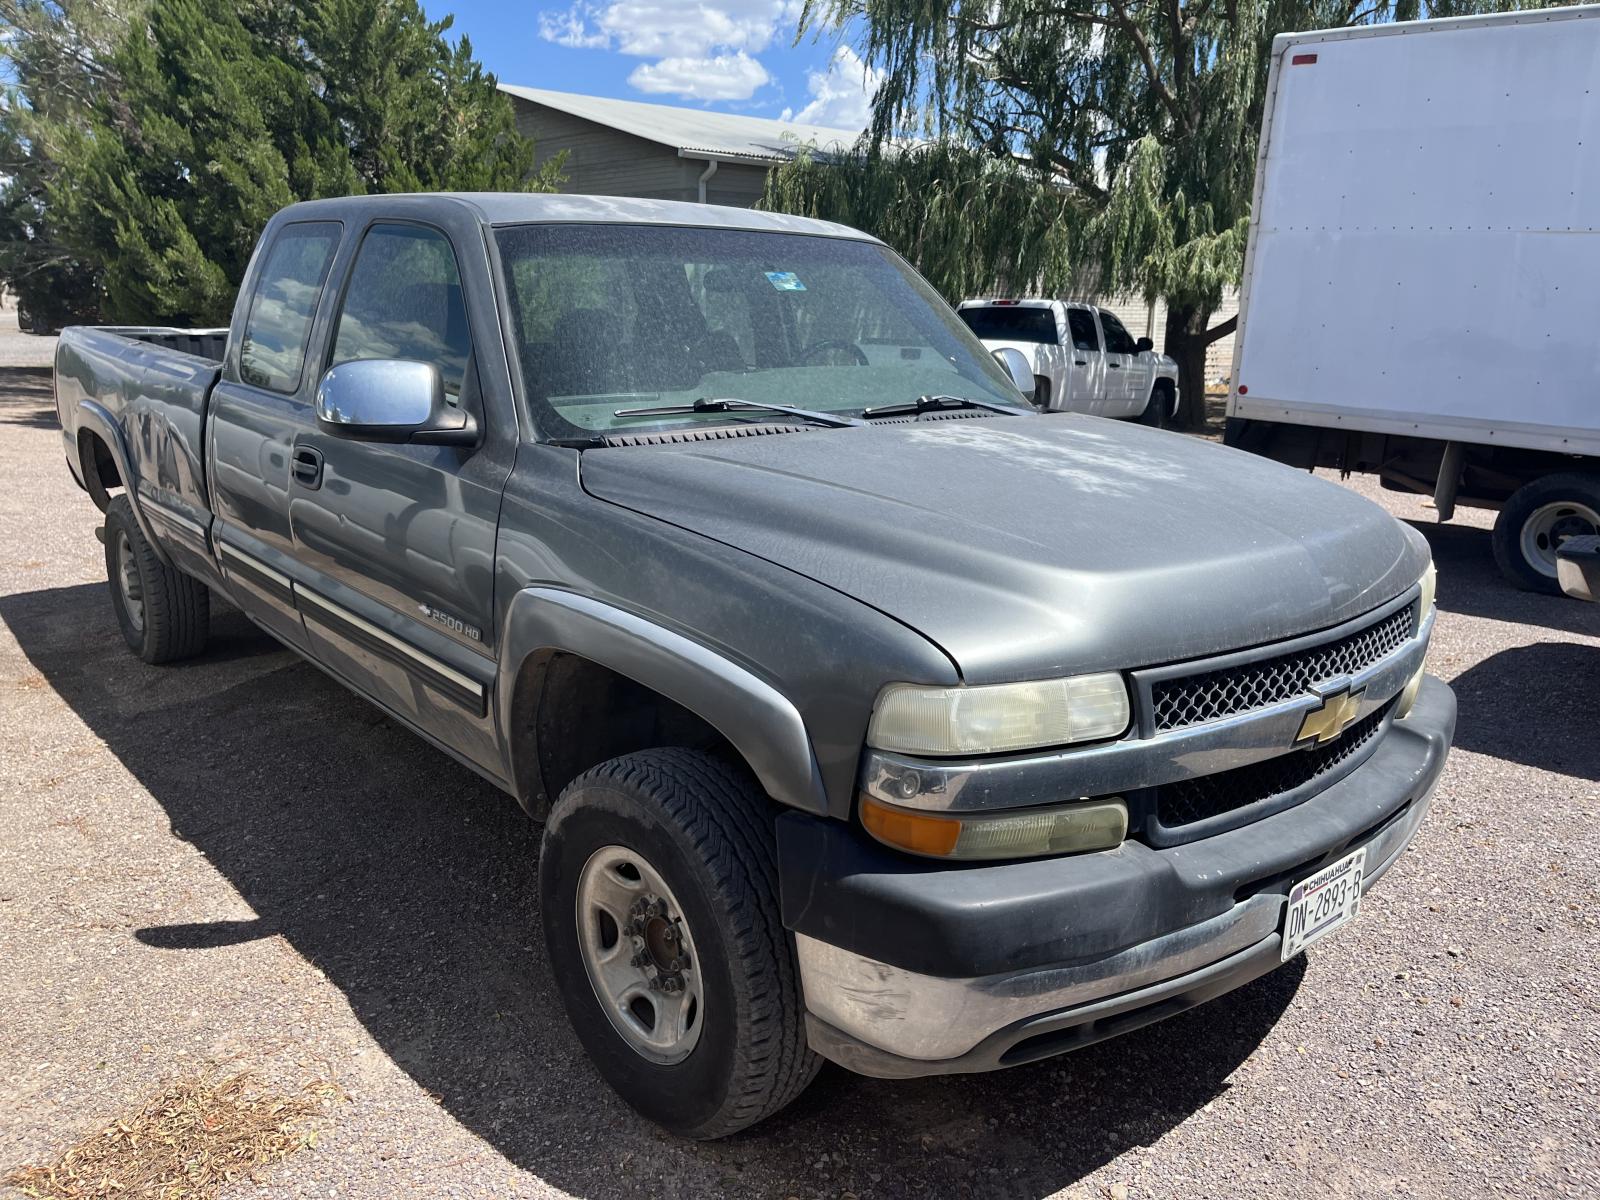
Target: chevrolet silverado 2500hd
[[716, 539]]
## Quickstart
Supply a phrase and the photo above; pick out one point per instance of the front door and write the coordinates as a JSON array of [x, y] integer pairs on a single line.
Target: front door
[[398, 540]]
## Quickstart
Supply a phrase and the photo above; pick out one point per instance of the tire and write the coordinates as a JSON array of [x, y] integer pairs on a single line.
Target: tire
[[1539, 516], [702, 830], [1158, 409], [1041, 393], [165, 615]]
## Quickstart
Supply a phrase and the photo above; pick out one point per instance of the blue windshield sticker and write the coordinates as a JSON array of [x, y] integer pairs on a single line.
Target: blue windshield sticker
[[785, 281]]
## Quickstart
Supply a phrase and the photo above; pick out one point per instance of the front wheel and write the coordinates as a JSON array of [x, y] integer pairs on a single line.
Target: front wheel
[[1540, 516], [659, 900]]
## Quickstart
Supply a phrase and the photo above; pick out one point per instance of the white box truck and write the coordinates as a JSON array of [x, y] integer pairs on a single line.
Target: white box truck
[[1421, 291]]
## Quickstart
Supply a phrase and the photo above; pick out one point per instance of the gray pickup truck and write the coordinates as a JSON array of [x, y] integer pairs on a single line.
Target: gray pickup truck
[[870, 715]]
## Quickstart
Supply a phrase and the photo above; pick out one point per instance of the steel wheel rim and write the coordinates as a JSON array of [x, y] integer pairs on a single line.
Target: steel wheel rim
[[1547, 527], [129, 584], [639, 954]]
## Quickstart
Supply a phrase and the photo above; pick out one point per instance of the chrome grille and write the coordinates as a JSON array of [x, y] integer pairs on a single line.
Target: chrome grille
[[1194, 699], [1211, 795]]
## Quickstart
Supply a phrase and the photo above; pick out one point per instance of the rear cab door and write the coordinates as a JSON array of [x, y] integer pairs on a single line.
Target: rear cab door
[[1085, 362], [257, 407], [1122, 367]]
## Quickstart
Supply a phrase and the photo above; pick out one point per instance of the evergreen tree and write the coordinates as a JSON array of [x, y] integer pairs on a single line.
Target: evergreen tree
[[193, 122], [1132, 123]]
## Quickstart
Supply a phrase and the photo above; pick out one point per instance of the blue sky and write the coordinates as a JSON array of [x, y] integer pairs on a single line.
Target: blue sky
[[728, 55]]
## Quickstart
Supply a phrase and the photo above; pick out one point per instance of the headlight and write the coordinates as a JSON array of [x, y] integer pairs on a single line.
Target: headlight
[[1408, 695], [1060, 829], [997, 717]]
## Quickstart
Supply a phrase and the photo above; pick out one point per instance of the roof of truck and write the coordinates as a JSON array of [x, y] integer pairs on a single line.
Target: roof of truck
[[514, 208]]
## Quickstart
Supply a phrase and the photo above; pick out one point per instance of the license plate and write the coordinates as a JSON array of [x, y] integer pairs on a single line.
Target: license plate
[[1324, 902]]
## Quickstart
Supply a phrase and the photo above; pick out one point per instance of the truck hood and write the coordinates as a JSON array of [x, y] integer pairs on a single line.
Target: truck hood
[[1035, 545]]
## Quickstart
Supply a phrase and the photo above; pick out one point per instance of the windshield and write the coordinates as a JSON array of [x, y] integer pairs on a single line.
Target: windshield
[[615, 317], [1012, 324]]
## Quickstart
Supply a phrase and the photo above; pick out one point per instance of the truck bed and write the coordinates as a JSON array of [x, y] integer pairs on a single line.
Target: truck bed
[[132, 403]]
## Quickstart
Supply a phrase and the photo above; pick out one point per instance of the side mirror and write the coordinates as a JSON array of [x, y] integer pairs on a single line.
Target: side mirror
[[391, 400], [1016, 365], [1144, 344]]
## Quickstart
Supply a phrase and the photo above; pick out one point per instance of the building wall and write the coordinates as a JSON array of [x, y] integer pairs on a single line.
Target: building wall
[[601, 161]]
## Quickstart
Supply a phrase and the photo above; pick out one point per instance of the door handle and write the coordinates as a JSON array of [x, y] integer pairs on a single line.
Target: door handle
[[307, 467], [1080, 362], [1115, 366]]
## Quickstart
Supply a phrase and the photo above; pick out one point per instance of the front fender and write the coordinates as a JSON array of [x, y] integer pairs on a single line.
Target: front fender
[[758, 721]]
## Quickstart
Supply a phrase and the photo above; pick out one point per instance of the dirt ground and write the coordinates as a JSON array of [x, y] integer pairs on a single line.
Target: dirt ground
[[235, 862]]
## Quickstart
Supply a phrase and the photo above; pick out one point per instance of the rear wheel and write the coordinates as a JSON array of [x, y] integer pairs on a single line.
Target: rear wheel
[[1041, 393], [659, 900], [164, 614], [1158, 409], [1540, 516]]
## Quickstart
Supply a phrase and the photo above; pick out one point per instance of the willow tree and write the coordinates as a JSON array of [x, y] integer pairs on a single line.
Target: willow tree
[[1133, 123]]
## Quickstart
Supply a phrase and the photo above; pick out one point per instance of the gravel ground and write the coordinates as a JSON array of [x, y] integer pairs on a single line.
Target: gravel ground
[[236, 861]]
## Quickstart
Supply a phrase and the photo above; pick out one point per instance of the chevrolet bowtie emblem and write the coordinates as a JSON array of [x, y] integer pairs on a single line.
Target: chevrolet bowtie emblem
[[1327, 722]]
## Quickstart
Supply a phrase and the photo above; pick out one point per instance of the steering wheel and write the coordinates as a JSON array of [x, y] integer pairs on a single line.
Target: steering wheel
[[837, 344]]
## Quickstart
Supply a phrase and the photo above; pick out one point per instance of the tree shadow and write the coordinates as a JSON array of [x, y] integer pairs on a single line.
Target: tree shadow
[[27, 398], [1470, 584], [410, 883]]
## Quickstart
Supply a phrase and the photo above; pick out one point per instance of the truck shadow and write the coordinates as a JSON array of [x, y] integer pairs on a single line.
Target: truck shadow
[[1550, 686], [1470, 584], [409, 882]]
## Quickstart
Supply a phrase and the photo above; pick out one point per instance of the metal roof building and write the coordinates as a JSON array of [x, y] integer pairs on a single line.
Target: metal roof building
[[661, 152]]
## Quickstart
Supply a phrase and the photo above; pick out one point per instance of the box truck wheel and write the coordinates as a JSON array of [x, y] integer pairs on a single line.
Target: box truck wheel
[[659, 897], [1540, 516]]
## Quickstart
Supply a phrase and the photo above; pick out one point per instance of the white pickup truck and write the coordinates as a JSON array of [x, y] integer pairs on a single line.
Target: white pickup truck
[[1084, 359]]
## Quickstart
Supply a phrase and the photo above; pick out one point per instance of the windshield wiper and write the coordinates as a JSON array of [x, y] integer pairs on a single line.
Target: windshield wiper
[[733, 404], [925, 404]]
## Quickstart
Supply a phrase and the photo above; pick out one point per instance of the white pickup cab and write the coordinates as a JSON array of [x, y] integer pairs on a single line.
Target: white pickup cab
[[1084, 359]]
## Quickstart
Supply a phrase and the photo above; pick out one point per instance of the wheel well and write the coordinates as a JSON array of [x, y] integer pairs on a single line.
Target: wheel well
[[569, 713], [99, 468]]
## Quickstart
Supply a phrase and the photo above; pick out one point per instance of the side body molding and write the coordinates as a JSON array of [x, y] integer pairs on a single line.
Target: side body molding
[[94, 417], [759, 721]]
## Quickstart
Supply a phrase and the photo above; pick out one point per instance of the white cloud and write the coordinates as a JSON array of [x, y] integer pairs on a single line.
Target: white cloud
[[572, 28], [841, 96], [704, 49], [670, 28], [723, 77]]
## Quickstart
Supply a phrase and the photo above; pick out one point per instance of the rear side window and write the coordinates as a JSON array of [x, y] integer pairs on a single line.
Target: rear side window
[[1012, 324], [404, 301], [1084, 336], [1118, 339], [272, 351]]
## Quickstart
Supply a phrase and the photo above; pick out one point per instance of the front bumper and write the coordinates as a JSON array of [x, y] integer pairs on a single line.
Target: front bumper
[[911, 968]]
